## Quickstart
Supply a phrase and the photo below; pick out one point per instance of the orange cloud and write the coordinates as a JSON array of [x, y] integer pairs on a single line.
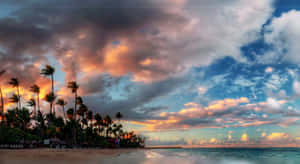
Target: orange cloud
[[227, 103], [212, 140], [244, 137], [277, 136]]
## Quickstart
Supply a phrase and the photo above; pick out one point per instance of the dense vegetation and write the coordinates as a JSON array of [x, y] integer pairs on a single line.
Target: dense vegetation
[[77, 127]]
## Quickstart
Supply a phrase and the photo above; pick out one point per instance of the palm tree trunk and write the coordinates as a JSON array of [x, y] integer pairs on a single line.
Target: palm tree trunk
[[53, 109], [19, 103], [51, 105], [52, 83], [75, 109], [52, 86], [38, 101], [63, 108], [34, 111], [2, 101]]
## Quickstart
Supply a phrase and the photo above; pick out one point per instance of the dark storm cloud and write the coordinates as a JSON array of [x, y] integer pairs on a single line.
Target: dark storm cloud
[[37, 27], [98, 84]]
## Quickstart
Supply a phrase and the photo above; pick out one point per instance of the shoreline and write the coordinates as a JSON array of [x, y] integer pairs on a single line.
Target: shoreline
[[58, 156]]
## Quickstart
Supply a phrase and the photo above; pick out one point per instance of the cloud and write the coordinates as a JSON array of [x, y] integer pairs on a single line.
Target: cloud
[[296, 87], [277, 136], [244, 137], [212, 140], [283, 34], [134, 105], [155, 42], [223, 113], [269, 70], [229, 138]]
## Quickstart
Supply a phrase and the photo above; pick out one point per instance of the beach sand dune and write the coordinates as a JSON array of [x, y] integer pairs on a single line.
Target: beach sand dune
[[58, 156]]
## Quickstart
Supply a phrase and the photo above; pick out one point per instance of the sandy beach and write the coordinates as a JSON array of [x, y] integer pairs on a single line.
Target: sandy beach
[[59, 156]]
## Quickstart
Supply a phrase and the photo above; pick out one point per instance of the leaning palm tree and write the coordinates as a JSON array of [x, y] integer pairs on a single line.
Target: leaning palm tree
[[1, 94], [62, 103], [14, 82], [74, 87], [36, 89], [48, 71], [32, 104]]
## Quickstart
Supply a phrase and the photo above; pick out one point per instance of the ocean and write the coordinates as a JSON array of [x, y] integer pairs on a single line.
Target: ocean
[[210, 156]]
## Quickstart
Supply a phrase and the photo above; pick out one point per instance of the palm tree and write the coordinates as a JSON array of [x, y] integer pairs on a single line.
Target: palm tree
[[15, 99], [70, 113], [62, 103], [14, 82], [41, 124], [90, 117], [36, 89], [11, 119], [107, 123], [48, 71], [82, 113], [74, 87], [23, 117], [119, 116], [1, 94], [50, 98], [32, 103], [98, 119]]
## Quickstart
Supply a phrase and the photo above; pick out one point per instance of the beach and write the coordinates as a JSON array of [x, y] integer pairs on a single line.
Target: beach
[[59, 156]]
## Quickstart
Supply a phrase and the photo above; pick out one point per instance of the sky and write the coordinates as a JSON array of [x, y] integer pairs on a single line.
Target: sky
[[198, 73]]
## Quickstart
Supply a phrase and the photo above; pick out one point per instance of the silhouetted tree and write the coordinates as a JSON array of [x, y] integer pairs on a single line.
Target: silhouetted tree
[[14, 82], [48, 71], [74, 87], [62, 103]]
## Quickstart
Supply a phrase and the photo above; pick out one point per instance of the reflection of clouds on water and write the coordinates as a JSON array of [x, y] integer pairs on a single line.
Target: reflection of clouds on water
[[166, 157]]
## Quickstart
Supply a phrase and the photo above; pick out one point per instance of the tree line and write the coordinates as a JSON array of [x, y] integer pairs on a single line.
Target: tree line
[[77, 127]]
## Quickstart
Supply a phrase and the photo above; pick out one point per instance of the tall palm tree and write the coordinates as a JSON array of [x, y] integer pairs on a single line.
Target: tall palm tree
[[74, 87], [62, 103], [36, 89], [1, 94], [50, 98], [32, 103], [14, 82], [48, 71]]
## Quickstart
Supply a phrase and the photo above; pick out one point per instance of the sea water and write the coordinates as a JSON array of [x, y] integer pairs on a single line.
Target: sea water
[[210, 156]]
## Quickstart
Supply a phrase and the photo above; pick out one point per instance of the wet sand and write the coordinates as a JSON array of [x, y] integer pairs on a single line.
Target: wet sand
[[59, 156]]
